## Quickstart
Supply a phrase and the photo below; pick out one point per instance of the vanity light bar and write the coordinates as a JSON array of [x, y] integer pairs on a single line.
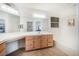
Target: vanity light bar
[[36, 15], [8, 9]]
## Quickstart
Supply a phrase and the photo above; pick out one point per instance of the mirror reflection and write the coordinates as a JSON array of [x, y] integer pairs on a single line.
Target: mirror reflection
[[14, 18], [9, 18]]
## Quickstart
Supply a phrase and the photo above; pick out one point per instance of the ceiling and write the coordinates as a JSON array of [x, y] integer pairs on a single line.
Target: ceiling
[[49, 8]]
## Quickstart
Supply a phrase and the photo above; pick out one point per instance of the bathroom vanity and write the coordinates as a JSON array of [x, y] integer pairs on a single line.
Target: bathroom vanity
[[38, 42], [32, 41]]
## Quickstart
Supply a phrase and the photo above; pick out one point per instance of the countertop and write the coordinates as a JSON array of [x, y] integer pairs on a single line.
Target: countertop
[[7, 37]]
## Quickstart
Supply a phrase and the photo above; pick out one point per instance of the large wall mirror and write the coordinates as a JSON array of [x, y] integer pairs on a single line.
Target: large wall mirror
[[9, 18]]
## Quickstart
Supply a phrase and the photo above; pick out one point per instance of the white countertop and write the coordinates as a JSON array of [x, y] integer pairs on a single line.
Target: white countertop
[[6, 37]]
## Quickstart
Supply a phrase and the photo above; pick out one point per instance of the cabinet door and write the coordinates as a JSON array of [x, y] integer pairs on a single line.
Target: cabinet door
[[29, 43], [2, 49], [36, 42], [44, 41], [50, 40]]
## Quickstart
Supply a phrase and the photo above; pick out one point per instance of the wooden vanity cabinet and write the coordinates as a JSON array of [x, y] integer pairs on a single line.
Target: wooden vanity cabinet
[[37, 42], [2, 49]]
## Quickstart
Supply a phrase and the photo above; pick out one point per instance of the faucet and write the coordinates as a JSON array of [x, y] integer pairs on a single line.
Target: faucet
[[38, 29]]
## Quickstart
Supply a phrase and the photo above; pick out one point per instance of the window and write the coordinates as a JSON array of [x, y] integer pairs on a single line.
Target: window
[[38, 26], [29, 26], [54, 22], [2, 26]]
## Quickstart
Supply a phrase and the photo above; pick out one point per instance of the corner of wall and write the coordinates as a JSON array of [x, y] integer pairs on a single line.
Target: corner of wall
[[68, 51]]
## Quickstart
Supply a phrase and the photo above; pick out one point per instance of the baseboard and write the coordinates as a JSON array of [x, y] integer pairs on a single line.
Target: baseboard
[[68, 51]]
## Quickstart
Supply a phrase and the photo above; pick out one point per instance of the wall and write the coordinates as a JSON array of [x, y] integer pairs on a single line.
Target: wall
[[68, 35]]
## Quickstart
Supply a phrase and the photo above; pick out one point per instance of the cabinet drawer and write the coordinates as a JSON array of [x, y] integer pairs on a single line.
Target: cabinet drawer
[[2, 49], [44, 36], [29, 37], [50, 39], [50, 44]]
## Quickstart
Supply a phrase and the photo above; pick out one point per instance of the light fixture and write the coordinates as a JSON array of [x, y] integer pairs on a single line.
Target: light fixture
[[71, 22], [8, 9], [38, 15]]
